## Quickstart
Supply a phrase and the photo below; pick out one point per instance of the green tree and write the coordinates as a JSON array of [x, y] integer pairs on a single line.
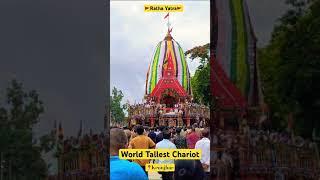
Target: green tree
[[200, 82], [117, 109], [290, 67], [20, 152]]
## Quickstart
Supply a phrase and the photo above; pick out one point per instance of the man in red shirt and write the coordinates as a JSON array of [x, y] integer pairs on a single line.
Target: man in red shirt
[[192, 138]]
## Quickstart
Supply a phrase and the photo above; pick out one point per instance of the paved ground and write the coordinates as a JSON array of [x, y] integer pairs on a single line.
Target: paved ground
[[154, 176]]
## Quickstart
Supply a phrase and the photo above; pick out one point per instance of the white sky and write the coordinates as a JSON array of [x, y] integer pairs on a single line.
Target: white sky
[[135, 34]]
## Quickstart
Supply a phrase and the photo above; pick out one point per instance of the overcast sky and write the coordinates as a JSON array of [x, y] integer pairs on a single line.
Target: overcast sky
[[58, 48], [134, 35], [264, 14]]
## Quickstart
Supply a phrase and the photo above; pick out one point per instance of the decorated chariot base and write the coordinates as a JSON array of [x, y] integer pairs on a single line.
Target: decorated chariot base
[[156, 114]]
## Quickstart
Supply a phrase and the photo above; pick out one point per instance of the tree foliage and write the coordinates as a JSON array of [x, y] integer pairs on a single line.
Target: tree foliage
[[200, 82], [117, 109], [290, 67], [20, 152]]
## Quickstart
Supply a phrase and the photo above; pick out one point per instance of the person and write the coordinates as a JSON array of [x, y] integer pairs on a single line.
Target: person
[[189, 130], [201, 123], [128, 133], [141, 141], [165, 143], [157, 131], [183, 132], [160, 134], [174, 132], [188, 170], [133, 132], [180, 141], [198, 130], [192, 138], [204, 145], [146, 130], [122, 169], [152, 135]]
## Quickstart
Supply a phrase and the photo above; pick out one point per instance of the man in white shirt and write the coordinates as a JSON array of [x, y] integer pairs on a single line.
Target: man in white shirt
[[204, 145], [165, 144]]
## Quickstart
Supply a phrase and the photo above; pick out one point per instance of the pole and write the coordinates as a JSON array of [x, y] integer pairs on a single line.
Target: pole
[[168, 23]]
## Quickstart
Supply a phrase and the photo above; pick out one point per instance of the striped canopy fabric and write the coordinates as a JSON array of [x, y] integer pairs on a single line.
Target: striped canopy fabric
[[236, 47], [159, 62]]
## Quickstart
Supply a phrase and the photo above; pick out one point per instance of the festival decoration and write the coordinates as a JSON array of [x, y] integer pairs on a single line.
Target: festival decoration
[[236, 48], [159, 62]]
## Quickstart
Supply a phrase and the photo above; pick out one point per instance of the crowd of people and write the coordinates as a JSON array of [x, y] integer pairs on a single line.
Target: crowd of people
[[142, 137], [284, 138]]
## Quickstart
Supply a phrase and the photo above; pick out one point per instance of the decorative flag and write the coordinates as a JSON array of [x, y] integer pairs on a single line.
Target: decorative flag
[[166, 16], [235, 48]]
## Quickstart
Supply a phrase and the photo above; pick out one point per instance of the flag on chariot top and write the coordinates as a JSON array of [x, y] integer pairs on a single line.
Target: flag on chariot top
[[166, 16]]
